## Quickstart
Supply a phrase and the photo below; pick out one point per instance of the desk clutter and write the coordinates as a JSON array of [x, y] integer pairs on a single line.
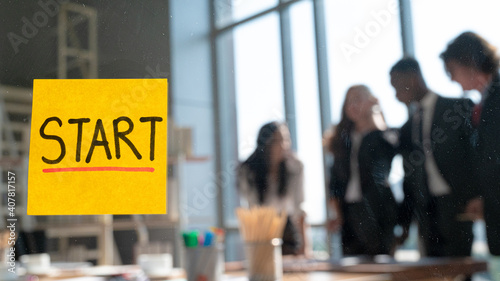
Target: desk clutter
[[293, 268], [260, 229]]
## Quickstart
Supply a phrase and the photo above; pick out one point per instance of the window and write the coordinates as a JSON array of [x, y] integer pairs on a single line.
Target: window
[[364, 44], [259, 90], [258, 80], [307, 109], [430, 26], [229, 11]]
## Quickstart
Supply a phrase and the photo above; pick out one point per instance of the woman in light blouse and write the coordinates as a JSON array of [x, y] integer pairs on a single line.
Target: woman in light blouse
[[273, 176]]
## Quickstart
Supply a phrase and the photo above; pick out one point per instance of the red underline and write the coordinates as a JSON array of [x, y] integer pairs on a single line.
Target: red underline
[[98, 169]]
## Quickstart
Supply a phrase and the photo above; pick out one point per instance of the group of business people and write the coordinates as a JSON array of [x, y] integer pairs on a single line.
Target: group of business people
[[451, 157]]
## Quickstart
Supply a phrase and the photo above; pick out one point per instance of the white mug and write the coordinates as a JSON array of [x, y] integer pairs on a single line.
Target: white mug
[[155, 264], [36, 263]]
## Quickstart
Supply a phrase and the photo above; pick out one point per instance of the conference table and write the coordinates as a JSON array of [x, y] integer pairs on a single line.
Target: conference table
[[305, 270], [352, 268]]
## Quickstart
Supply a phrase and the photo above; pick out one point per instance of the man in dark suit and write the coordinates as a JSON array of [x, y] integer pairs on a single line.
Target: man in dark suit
[[472, 62], [435, 145], [489, 163]]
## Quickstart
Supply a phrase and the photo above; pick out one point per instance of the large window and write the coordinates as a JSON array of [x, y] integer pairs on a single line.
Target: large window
[[259, 87], [307, 108], [266, 89], [309, 143], [364, 44], [255, 81], [229, 11], [431, 26]]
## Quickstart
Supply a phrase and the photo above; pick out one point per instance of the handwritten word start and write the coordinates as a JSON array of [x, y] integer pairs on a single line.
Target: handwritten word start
[[99, 138]]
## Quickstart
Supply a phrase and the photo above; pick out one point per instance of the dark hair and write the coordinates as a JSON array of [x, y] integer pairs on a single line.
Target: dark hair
[[259, 162], [341, 138], [471, 50], [406, 65]]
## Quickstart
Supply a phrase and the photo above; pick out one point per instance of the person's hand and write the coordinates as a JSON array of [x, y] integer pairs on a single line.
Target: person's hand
[[399, 240], [473, 210], [405, 232], [335, 218], [334, 224]]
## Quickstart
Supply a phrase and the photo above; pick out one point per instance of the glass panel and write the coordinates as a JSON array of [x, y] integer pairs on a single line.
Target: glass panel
[[229, 11], [429, 27], [363, 46], [259, 89], [234, 246], [132, 39], [256, 67], [307, 109]]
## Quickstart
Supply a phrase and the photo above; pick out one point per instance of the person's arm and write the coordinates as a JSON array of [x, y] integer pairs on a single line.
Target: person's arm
[[468, 141], [335, 218], [302, 227], [473, 205], [336, 191], [300, 213], [405, 208], [405, 215]]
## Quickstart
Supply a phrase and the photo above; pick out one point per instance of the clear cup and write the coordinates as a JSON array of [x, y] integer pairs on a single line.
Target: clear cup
[[264, 260], [205, 263]]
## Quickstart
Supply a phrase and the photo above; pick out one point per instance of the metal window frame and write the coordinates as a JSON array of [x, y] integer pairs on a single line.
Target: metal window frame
[[406, 23], [82, 55]]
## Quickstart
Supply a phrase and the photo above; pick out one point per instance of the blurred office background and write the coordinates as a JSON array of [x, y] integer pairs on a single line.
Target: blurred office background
[[232, 66]]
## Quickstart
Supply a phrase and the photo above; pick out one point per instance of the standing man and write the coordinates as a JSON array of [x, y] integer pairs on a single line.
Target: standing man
[[473, 62], [435, 145]]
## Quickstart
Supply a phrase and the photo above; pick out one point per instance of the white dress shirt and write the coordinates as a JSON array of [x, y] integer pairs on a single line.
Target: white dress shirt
[[435, 181], [353, 193]]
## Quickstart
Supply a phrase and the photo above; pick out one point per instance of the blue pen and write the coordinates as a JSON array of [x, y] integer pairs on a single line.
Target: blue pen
[[209, 238]]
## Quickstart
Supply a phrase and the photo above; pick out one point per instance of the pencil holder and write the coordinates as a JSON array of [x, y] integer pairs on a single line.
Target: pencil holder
[[205, 263], [264, 260]]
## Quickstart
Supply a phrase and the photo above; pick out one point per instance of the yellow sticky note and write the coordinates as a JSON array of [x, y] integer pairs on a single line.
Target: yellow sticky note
[[98, 146]]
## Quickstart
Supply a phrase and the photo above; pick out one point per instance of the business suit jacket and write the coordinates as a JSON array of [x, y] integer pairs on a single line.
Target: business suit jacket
[[488, 149], [450, 143], [369, 225]]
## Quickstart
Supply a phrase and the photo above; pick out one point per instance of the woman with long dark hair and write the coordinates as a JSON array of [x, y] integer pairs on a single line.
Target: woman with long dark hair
[[360, 196], [273, 176]]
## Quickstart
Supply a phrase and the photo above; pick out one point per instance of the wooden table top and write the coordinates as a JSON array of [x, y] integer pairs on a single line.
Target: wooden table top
[[425, 269]]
